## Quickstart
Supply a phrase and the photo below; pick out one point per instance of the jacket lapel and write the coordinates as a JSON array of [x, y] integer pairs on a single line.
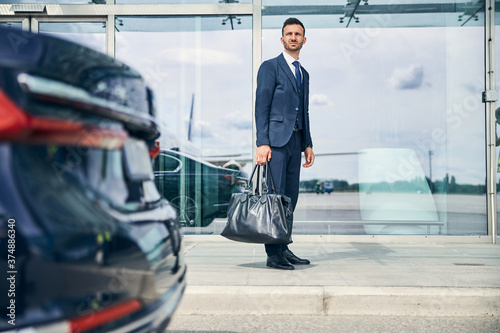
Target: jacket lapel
[[284, 66]]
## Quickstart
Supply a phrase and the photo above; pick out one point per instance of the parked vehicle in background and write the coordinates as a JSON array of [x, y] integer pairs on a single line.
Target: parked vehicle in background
[[324, 186], [328, 186], [198, 189], [88, 241]]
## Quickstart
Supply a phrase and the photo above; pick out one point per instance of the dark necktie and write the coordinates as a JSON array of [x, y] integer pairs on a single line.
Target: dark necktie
[[297, 73]]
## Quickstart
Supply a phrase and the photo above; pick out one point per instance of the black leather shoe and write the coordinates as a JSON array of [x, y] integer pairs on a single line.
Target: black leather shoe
[[293, 259], [278, 261]]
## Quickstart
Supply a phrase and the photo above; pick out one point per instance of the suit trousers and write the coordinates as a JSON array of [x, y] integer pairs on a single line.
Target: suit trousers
[[285, 169]]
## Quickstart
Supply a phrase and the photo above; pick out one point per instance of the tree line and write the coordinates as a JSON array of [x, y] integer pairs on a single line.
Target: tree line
[[445, 185]]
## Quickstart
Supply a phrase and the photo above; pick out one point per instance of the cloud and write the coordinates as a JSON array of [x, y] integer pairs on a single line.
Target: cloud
[[320, 100], [206, 56], [407, 78], [238, 120], [201, 129], [243, 125]]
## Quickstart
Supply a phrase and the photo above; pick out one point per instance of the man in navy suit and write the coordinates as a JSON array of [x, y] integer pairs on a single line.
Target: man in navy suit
[[282, 121]]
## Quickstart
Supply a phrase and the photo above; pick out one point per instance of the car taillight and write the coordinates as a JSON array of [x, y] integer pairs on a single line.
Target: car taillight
[[93, 320], [154, 149], [19, 126]]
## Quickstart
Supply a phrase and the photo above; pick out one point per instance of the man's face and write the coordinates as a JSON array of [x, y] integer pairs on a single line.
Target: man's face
[[293, 37]]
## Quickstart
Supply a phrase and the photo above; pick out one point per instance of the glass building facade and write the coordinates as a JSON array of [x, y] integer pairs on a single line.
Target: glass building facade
[[402, 103]]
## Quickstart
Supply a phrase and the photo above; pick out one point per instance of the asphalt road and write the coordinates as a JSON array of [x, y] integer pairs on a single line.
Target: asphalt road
[[340, 324]]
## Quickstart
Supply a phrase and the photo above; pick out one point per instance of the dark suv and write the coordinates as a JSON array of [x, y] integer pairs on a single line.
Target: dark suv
[[87, 244], [199, 190]]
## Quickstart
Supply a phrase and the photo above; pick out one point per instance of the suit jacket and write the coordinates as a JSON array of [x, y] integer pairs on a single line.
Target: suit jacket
[[277, 102]]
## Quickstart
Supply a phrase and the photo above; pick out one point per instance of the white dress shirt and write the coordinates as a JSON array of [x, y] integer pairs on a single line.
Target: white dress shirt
[[289, 60]]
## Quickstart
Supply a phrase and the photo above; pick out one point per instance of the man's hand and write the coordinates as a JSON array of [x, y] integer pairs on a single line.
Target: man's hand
[[263, 154], [309, 155]]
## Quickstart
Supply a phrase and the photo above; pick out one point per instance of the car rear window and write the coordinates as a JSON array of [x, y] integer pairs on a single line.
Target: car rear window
[[67, 179]]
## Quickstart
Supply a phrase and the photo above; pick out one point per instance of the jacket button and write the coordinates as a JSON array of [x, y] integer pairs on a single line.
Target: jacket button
[[296, 109]]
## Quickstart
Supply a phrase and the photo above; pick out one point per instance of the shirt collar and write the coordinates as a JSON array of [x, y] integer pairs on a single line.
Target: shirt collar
[[289, 59]]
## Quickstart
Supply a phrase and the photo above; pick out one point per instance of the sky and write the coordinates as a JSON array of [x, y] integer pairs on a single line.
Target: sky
[[372, 88], [416, 88]]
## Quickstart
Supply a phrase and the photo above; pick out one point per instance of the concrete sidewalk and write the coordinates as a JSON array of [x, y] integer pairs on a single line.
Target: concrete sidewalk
[[344, 278]]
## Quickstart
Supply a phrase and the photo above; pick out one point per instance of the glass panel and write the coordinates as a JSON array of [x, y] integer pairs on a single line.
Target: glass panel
[[180, 1], [396, 116], [200, 71], [374, 14], [90, 34], [13, 25], [60, 2]]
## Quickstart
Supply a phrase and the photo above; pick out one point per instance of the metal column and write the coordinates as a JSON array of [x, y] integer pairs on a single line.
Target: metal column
[[490, 96], [256, 61]]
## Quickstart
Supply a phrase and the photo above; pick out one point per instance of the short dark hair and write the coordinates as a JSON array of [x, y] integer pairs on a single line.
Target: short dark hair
[[290, 21]]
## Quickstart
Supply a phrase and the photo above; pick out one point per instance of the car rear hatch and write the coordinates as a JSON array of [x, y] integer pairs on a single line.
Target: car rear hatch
[[96, 246]]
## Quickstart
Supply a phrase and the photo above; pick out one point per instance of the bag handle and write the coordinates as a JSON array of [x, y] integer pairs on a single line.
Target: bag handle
[[265, 189], [249, 183]]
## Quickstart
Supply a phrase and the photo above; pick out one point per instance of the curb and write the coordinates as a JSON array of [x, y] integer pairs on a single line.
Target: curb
[[336, 301], [389, 239]]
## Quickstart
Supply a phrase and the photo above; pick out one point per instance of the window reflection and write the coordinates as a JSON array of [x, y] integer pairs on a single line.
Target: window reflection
[[201, 78], [200, 191], [200, 70], [181, 1], [68, 2], [372, 14], [90, 34], [11, 25], [397, 122]]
